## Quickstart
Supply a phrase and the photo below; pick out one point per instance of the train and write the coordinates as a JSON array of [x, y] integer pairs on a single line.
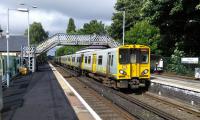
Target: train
[[126, 66]]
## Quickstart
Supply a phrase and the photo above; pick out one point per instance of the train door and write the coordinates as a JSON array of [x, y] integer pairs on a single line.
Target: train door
[[94, 59], [108, 63], [1, 67], [82, 61], [135, 66]]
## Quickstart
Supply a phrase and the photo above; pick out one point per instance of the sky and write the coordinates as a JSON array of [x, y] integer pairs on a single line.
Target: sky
[[54, 14]]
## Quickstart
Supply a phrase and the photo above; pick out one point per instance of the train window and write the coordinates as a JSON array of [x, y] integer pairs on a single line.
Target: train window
[[77, 60], [124, 56], [112, 60], [133, 56], [86, 59], [144, 57], [100, 60], [73, 59], [89, 59]]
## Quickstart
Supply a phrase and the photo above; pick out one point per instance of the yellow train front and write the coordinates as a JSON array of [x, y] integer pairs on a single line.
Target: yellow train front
[[133, 66], [126, 66]]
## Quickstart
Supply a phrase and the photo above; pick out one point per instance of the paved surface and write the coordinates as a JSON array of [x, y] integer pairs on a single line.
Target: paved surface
[[189, 84], [37, 97]]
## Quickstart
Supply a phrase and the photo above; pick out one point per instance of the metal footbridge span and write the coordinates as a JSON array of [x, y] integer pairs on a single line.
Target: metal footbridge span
[[87, 40]]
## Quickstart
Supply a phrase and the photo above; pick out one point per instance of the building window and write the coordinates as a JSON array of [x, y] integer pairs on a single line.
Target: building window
[[100, 60]]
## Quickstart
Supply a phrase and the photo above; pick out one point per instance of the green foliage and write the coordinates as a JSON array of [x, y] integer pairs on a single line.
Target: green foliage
[[144, 33], [178, 21], [176, 65], [37, 33], [132, 10], [71, 28], [65, 50], [93, 27], [42, 58]]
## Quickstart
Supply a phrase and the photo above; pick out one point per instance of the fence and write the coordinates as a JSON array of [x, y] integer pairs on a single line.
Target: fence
[[176, 67]]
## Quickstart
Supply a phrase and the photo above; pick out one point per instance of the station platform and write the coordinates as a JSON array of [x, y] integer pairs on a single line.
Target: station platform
[[43, 95], [175, 81]]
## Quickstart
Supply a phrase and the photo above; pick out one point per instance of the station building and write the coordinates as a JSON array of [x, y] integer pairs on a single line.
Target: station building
[[16, 42]]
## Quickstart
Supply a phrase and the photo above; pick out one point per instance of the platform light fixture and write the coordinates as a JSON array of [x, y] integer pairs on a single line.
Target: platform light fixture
[[27, 10], [7, 40]]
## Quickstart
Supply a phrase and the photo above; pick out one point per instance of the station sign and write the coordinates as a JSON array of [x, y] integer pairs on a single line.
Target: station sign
[[190, 60]]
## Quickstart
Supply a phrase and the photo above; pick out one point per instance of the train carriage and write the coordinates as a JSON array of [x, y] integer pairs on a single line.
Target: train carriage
[[123, 67]]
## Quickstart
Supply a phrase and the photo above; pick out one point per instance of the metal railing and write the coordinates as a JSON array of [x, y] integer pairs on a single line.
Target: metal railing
[[64, 39]]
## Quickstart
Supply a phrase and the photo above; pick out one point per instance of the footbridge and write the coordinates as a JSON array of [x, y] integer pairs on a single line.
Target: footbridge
[[30, 53], [86, 40]]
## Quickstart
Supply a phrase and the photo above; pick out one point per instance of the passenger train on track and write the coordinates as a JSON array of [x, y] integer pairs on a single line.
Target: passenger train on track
[[126, 66]]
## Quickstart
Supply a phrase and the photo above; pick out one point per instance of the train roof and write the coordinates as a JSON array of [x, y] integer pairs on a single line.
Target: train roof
[[87, 50], [134, 46]]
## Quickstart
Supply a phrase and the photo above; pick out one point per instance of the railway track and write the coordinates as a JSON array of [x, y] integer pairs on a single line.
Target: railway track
[[181, 106], [103, 107], [140, 106]]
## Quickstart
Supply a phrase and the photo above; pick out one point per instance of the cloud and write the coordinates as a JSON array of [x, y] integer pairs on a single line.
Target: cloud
[[54, 15]]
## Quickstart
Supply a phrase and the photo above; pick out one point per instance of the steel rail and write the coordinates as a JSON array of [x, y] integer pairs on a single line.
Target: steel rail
[[124, 97]]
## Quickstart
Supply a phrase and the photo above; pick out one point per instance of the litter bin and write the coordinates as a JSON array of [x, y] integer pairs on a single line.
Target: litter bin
[[23, 70]]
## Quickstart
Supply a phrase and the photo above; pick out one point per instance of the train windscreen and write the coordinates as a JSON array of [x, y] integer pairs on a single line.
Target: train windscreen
[[124, 56], [127, 56]]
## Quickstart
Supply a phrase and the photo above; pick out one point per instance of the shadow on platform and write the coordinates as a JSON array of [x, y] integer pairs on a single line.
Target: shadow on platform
[[37, 96]]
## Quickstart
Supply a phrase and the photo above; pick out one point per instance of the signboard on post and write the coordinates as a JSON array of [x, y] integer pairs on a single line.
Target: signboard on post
[[190, 60]]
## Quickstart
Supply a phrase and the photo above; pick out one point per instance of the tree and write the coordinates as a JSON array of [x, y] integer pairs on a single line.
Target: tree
[[65, 50], [144, 33], [178, 20], [93, 27], [37, 33], [71, 28], [132, 9]]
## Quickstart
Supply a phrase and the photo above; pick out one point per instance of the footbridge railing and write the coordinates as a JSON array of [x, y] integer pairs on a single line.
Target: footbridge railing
[[87, 40]]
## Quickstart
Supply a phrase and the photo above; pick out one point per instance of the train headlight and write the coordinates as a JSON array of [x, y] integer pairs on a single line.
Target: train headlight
[[122, 72], [145, 71]]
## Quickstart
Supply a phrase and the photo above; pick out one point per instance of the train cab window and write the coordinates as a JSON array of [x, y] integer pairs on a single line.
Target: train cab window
[[86, 59], [89, 59], [124, 56], [100, 58], [133, 56], [144, 56], [68, 58]]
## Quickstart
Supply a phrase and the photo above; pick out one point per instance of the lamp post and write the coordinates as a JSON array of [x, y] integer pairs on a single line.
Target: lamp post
[[7, 42], [123, 26], [27, 10]]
